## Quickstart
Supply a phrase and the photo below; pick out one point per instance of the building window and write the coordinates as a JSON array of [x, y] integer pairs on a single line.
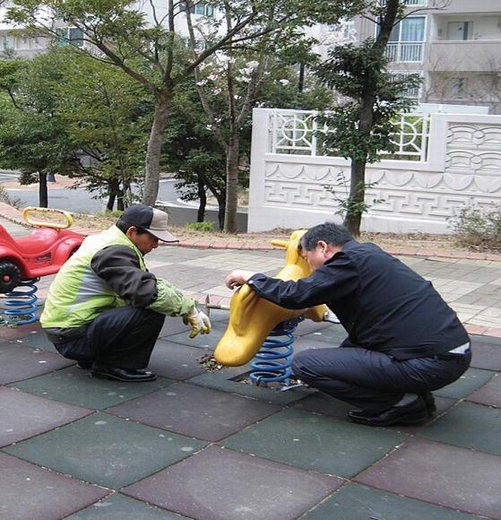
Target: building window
[[198, 8], [459, 30], [411, 93], [70, 36], [407, 40]]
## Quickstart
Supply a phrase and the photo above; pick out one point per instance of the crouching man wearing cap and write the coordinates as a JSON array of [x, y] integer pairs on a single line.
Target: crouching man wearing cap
[[105, 309]]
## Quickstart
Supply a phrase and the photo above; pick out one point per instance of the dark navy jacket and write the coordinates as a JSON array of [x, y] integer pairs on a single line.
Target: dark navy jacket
[[383, 304]]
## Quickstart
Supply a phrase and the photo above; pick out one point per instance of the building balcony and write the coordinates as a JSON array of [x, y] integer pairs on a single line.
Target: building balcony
[[465, 56]]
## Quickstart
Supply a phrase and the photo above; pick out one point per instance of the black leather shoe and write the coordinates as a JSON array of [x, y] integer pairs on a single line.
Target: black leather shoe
[[413, 413], [127, 375]]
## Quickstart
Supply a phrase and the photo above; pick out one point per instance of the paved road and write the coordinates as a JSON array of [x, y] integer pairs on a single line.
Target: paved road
[[82, 201]]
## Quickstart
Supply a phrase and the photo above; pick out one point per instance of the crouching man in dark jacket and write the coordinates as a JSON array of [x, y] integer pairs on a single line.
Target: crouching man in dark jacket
[[403, 340]]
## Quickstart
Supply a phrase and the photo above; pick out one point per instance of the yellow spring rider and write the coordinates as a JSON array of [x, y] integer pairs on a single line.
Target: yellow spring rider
[[252, 318]]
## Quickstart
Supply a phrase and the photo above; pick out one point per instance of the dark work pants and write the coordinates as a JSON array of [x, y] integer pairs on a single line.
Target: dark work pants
[[123, 338], [371, 380]]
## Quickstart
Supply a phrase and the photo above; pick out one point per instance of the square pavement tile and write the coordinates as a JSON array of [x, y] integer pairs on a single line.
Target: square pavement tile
[[106, 450], [441, 474], [489, 394], [76, 386], [205, 341], [470, 381], [316, 442], [486, 352], [13, 333], [469, 425], [195, 411], [18, 362], [120, 507], [30, 492], [37, 340], [176, 361], [218, 484], [23, 415], [357, 502]]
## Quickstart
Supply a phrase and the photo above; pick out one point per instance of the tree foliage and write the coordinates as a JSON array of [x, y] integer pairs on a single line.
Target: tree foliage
[[369, 97]]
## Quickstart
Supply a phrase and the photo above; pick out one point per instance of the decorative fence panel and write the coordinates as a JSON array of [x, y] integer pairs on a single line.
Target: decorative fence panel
[[445, 161]]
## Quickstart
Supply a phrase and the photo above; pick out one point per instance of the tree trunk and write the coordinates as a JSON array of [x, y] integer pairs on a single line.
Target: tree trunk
[[202, 197], [154, 151], [353, 217], [43, 196], [232, 162]]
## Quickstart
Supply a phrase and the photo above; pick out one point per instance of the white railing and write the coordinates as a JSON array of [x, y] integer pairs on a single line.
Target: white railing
[[405, 52], [297, 132]]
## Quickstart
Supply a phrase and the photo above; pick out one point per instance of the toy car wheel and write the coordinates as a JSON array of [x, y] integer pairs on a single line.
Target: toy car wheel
[[10, 276]]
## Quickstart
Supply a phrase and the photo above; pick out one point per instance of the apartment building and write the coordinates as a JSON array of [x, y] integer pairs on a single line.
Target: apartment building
[[455, 45]]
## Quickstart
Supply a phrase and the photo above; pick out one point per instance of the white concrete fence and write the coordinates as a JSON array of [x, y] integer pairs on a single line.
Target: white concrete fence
[[449, 157]]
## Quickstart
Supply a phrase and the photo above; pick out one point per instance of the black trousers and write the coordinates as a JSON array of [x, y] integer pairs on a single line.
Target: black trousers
[[371, 380], [123, 337]]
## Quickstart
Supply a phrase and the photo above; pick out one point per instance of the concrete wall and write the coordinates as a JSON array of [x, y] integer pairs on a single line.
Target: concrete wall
[[459, 163]]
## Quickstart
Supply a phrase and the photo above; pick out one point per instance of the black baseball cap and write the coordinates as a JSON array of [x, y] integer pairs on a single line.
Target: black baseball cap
[[151, 219]]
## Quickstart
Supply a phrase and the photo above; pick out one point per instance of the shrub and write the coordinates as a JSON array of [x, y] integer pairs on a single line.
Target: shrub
[[200, 226], [477, 228]]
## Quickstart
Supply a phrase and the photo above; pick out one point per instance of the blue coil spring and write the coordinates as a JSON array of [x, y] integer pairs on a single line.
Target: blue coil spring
[[274, 360], [22, 303]]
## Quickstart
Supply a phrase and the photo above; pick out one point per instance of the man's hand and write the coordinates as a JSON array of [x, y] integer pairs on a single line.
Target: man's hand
[[237, 278], [198, 321]]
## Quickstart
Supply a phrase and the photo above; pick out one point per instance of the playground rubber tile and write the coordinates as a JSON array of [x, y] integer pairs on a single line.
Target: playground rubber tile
[[38, 340], [441, 474], [218, 484], [205, 341], [106, 450], [316, 442], [489, 394], [23, 415], [486, 353], [120, 507], [228, 380], [76, 386], [17, 363], [172, 325], [195, 411], [357, 502], [14, 333], [175, 361], [30, 492], [471, 380], [333, 335], [468, 425]]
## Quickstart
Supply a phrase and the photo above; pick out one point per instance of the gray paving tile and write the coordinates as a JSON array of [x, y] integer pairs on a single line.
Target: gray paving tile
[[120, 507], [105, 449], [23, 415], [37, 340], [76, 386], [218, 484], [458, 478], [206, 341], [470, 381], [13, 333], [17, 363], [176, 361], [489, 394], [195, 411], [486, 353], [357, 502], [469, 425], [228, 380], [28, 492], [316, 442]]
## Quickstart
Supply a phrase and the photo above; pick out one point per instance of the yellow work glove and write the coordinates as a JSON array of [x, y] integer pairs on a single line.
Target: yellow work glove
[[198, 321]]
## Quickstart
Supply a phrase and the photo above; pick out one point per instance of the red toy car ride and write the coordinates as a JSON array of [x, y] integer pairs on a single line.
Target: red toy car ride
[[40, 253]]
